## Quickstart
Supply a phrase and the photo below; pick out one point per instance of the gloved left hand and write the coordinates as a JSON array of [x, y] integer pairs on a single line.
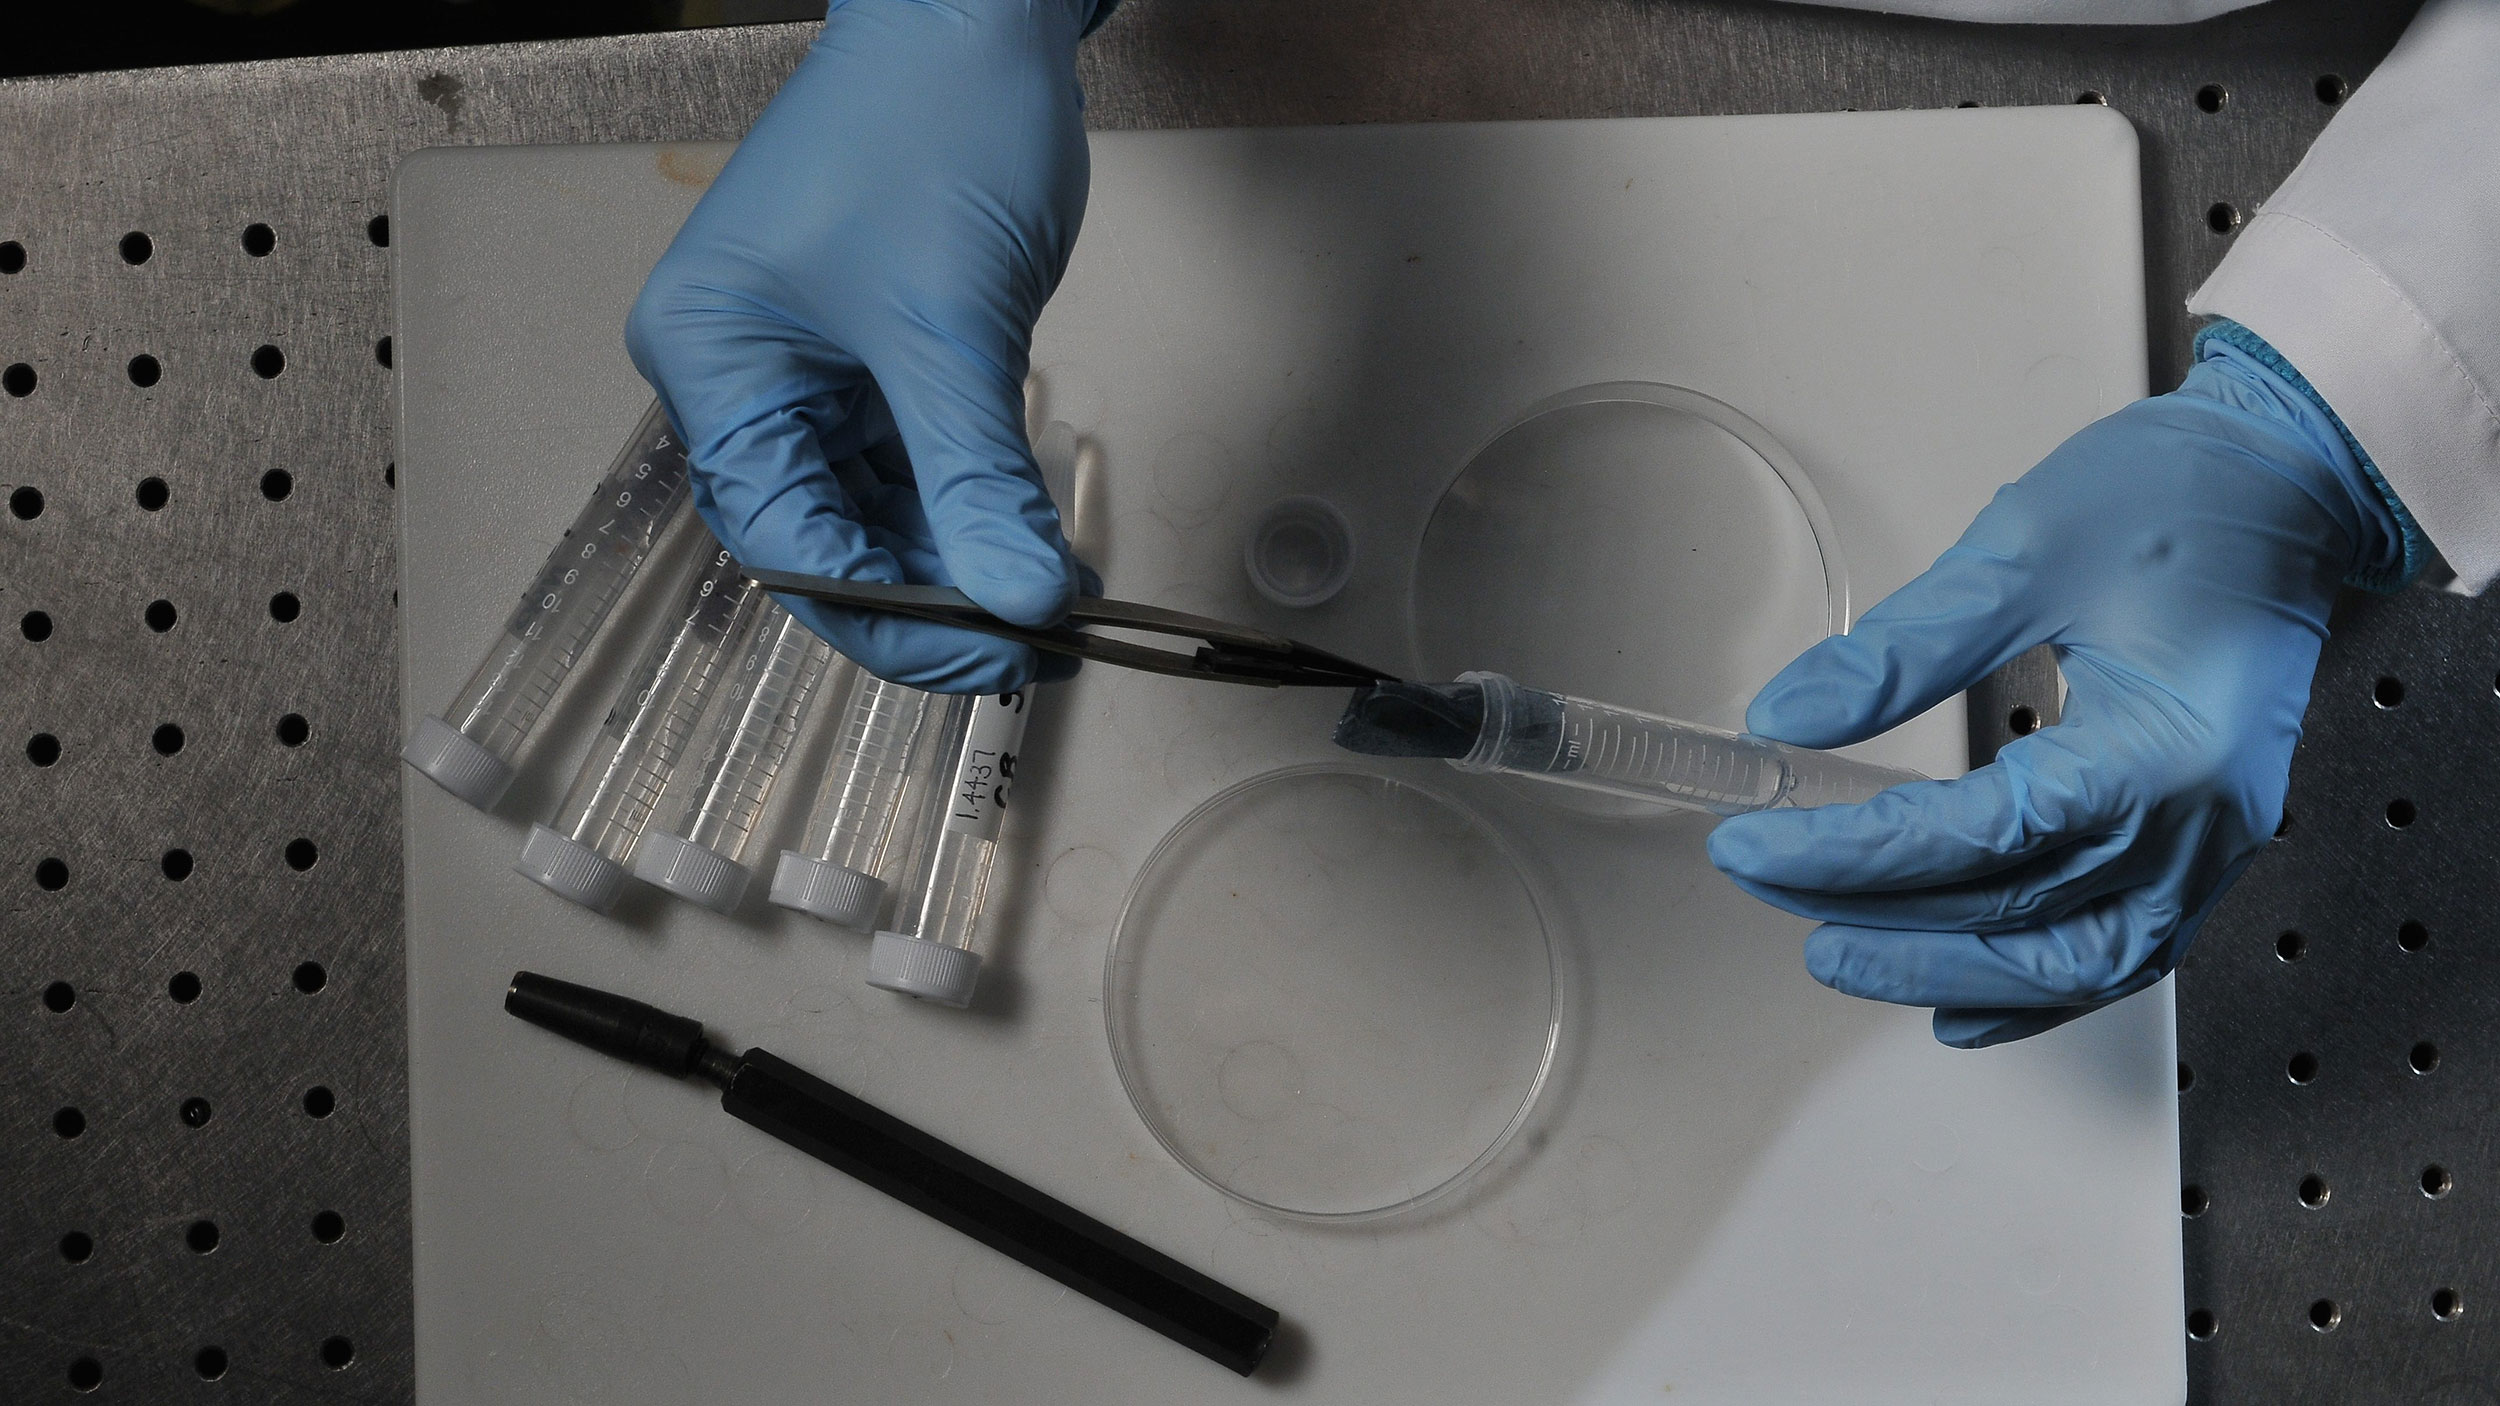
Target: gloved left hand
[[841, 329], [2182, 555]]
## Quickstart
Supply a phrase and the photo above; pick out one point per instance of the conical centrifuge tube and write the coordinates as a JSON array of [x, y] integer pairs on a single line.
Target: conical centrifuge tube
[[469, 748], [583, 853], [928, 952], [701, 857], [833, 874]]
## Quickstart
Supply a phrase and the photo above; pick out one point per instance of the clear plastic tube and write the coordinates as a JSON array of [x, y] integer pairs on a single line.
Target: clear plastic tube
[[469, 748], [834, 872], [581, 854], [1599, 747], [780, 669], [928, 953]]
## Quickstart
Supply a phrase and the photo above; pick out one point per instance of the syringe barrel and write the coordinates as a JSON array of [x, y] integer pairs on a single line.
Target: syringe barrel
[[469, 748], [928, 953], [1626, 752], [647, 729]]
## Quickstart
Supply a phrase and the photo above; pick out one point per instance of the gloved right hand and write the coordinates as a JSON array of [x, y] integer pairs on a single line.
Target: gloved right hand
[[858, 289]]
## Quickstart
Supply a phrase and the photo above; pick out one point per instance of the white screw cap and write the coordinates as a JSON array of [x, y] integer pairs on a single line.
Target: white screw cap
[[931, 971], [456, 764], [690, 871], [836, 893], [570, 869]]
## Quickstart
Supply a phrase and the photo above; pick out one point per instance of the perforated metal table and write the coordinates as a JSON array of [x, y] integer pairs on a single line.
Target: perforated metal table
[[203, 1161]]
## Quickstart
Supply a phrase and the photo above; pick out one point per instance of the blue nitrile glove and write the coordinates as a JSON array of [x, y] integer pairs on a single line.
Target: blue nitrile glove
[[841, 329], [2182, 555]]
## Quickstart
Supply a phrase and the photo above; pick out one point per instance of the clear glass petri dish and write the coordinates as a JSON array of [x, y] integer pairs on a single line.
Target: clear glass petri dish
[[1332, 995], [1639, 543]]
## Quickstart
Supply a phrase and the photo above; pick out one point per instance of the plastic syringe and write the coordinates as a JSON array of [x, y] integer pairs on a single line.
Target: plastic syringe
[[701, 858], [1488, 723], [469, 748], [859, 818], [583, 852]]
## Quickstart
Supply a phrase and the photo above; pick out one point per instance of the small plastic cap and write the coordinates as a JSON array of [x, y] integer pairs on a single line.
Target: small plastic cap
[[1300, 552], [457, 764], [690, 871], [821, 888], [931, 971], [570, 869]]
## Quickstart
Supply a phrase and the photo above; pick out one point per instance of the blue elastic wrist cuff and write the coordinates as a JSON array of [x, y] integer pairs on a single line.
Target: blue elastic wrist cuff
[[2417, 547]]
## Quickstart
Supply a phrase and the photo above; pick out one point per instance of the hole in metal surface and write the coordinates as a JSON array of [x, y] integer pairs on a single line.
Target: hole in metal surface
[[176, 864], [2400, 813], [209, 1362], [68, 1122], [35, 625], [293, 730], [167, 739], [12, 257], [51, 874], [258, 240], [337, 1352], [78, 1247], [2202, 1325], [2303, 1067], [136, 247], [267, 361], [184, 988], [390, 475], [59, 997], [382, 351], [2314, 1191], [2325, 1314], [43, 749], [2447, 1305], [2291, 946], [284, 607], [328, 1227], [310, 978], [86, 1374], [2436, 1181], [2212, 97], [27, 503], [2331, 88], [302, 854], [145, 371], [320, 1102], [2193, 1201], [276, 484], [18, 380], [161, 615], [2388, 692], [2412, 936], [2092, 96], [2423, 1057], [2222, 217], [2187, 1077], [152, 494], [2023, 721], [195, 1112], [201, 1236], [378, 229]]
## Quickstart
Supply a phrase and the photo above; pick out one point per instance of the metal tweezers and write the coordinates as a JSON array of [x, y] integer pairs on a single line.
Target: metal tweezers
[[1232, 653]]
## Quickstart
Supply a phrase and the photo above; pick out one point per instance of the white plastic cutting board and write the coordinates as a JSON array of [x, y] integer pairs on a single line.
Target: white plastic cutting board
[[1741, 1188]]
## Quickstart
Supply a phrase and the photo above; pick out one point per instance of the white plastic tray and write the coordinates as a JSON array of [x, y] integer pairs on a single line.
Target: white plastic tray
[[1739, 1188]]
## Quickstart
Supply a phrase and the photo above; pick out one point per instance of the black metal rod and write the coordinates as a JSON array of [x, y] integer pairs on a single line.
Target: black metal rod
[[934, 1177]]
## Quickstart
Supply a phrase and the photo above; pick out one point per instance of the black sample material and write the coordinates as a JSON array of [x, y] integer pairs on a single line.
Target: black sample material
[[1412, 719], [933, 1177]]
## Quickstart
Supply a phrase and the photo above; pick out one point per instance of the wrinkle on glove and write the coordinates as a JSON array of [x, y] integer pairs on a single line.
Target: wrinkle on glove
[[2182, 556]]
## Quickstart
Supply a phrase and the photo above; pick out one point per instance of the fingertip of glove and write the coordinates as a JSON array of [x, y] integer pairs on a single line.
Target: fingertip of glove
[[1034, 597], [1826, 954]]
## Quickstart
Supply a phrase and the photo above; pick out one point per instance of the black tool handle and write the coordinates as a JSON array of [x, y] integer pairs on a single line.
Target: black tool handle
[[609, 1023], [994, 1208]]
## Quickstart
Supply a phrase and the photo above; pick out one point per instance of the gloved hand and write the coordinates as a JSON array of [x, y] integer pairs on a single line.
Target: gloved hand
[[842, 328], [2182, 555]]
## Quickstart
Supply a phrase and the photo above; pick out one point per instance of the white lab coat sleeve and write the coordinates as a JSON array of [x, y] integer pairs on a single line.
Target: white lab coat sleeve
[[2375, 270]]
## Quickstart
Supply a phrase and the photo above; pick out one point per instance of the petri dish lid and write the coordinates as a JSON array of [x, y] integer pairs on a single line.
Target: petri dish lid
[[1333, 995], [1638, 543]]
